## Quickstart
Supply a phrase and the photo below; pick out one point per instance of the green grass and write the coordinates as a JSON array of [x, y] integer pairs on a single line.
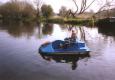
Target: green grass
[[69, 21]]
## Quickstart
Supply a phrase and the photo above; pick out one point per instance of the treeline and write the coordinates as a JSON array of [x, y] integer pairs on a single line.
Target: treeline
[[105, 14], [23, 11]]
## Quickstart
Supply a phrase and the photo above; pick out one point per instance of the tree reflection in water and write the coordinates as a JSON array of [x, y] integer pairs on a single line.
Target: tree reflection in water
[[19, 29], [81, 34], [27, 30], [107, 30], [47, 28]]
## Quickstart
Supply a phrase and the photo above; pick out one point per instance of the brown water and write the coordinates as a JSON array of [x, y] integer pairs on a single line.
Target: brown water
[[20, 60]]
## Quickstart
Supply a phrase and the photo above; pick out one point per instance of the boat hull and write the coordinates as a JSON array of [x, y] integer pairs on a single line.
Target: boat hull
[[52, 49]]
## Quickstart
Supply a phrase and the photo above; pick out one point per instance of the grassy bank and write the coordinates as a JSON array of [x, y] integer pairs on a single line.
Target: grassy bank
[[69, 21]]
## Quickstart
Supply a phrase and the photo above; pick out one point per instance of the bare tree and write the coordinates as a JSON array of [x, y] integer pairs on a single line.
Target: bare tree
[[80, 9], [38, 4], [13, 0], [62, 11], [105, 6]]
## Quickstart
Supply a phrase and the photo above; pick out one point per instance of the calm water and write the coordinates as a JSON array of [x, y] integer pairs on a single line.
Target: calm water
[[20, 60]]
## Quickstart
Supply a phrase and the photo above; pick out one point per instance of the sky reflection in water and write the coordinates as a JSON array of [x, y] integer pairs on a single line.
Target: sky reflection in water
[[20, 60]]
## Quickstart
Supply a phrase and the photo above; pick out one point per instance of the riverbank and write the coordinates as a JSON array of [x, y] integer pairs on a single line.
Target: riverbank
[[74, 21], [60, 20]]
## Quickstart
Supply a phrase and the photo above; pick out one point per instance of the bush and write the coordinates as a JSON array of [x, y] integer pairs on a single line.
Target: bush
[[17, 10]]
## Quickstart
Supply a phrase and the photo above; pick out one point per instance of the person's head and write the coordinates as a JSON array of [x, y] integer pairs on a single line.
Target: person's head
[[73, 31]]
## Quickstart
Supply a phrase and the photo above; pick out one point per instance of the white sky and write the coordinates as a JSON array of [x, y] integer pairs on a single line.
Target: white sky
[[56, 4]]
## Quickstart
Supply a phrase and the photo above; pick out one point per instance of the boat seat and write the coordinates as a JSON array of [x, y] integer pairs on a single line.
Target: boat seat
[[56, 44]]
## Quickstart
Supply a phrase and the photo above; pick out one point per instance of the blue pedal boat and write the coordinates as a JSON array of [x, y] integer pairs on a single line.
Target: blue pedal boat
[[77, 48]]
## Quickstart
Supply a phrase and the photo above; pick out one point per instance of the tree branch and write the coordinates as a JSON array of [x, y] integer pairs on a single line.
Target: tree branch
[[88, 5], [76, 6]]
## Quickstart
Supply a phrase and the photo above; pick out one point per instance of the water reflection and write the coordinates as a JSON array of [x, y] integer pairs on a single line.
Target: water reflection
[[80, 31], [72, 59], [22, 62], [27, 30], [107, 30], [19, 30], [47, 29]]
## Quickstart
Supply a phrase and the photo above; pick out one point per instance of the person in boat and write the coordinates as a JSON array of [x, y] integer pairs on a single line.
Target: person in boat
[[73, 37], [69, 41]]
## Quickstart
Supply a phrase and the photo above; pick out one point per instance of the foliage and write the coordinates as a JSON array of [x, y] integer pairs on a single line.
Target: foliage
[[46, 10], [56, 20], [70, 21], [16, 10], [47, 29], [62, 11]]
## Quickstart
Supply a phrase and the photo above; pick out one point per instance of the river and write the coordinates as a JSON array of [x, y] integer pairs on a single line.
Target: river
[[20, 60]]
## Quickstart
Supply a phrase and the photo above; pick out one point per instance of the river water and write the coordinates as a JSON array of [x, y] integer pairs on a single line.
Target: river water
[[20, 60]]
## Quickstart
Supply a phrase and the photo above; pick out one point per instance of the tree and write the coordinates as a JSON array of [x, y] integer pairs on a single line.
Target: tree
[[62, 11], [104, 10], [38, 4], [84, 5], [46, 10], [17, 10]]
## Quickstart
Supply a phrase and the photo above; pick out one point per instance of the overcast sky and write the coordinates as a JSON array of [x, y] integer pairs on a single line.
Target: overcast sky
[[56, 4]]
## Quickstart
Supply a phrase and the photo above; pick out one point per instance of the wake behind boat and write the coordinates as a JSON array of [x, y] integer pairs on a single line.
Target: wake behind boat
[[66, 47]]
